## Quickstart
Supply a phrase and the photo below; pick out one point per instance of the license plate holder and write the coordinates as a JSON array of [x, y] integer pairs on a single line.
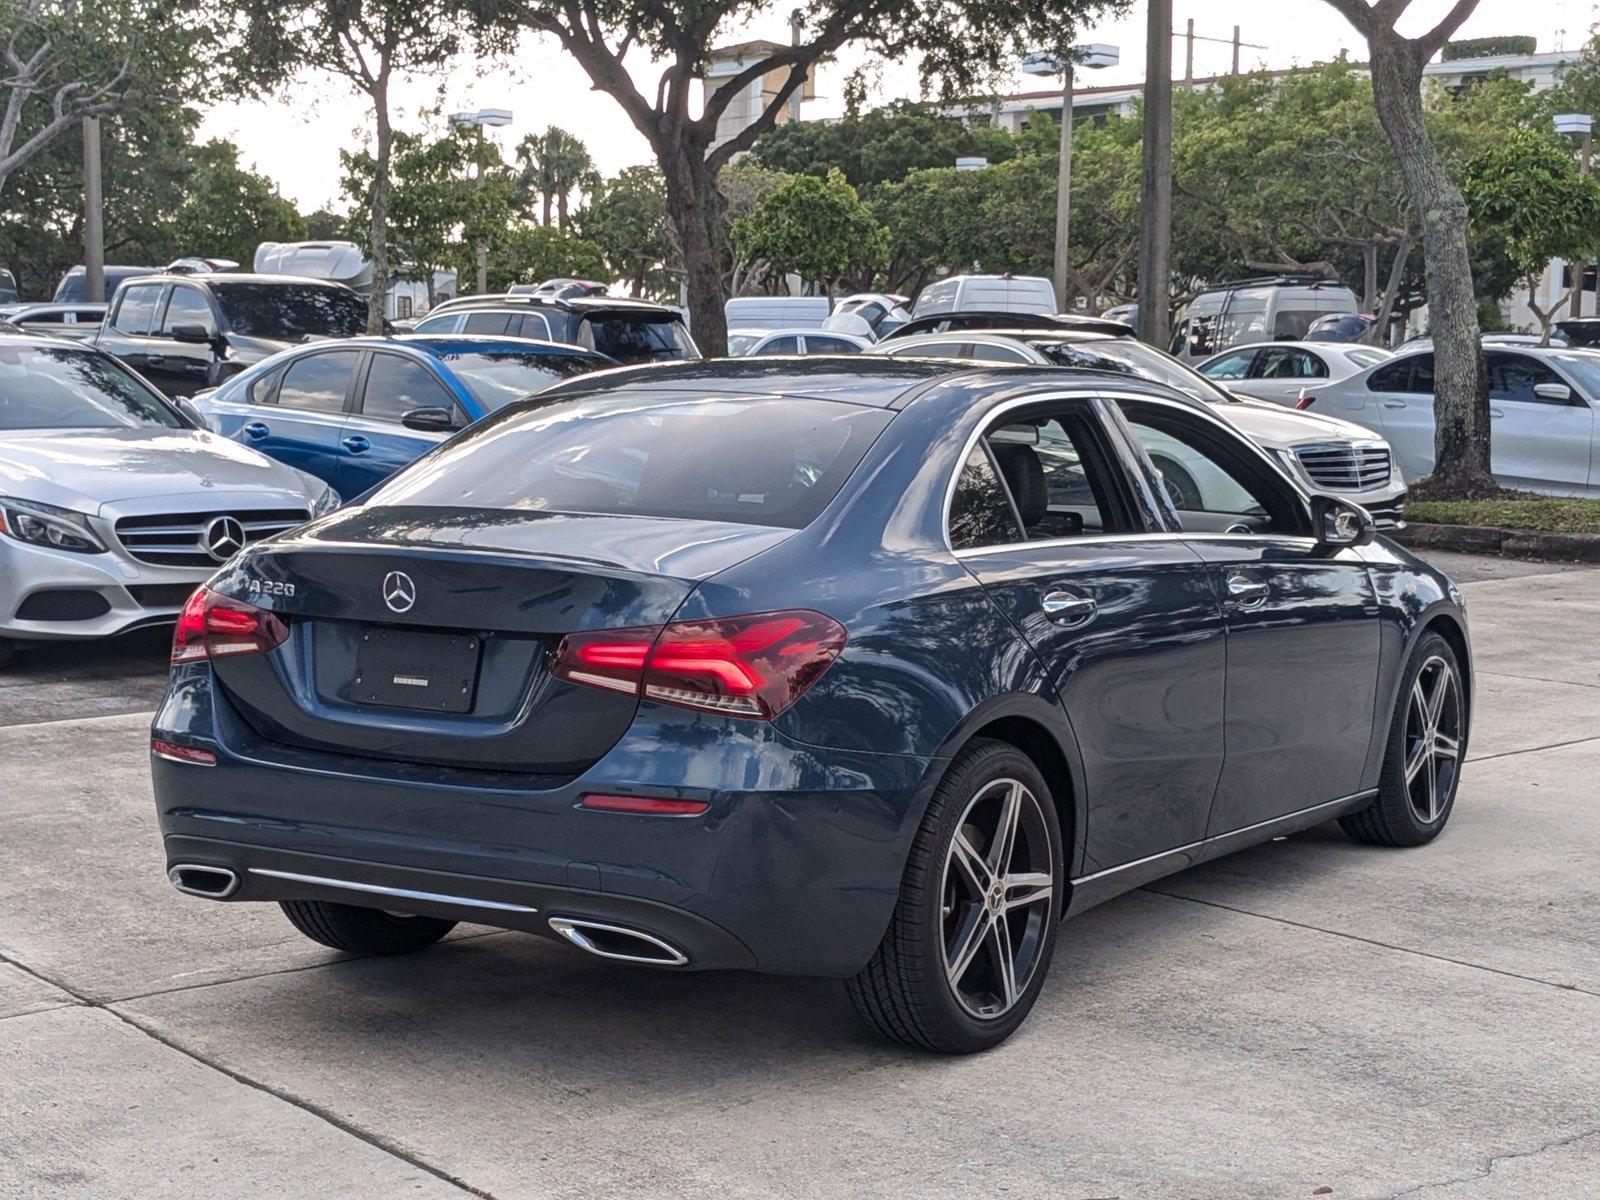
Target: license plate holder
[[426, 672]]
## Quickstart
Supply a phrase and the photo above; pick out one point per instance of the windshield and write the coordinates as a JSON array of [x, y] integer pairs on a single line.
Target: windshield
[[1584, 367], [287, 312], [634, 339], [496, 378], [740, 343], [758, 461], [1128, 357], [43, 387]]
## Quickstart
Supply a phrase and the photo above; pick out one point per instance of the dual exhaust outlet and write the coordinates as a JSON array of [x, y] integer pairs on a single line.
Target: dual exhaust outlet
[[600, 938]]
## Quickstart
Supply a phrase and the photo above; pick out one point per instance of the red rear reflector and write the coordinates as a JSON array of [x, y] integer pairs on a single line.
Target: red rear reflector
[[183, 754], [215, 626], [1305, 402], [649, 805], [750, 666]]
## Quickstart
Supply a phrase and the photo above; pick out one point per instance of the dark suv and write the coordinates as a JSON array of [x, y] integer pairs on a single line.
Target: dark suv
[[630, 331], [185, 333]]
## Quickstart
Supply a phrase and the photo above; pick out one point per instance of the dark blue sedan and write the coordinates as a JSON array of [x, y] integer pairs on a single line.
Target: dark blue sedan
[[353, 411], [860, 668]]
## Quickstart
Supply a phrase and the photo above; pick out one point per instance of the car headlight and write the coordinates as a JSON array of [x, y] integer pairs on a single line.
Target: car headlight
[[325, 503], [46, 525]]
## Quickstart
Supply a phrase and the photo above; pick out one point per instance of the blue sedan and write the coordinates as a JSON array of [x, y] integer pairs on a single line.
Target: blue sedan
[[353, 411]]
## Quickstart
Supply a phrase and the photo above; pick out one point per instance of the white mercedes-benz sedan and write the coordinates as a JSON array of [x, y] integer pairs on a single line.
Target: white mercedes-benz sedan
[[113, 504]]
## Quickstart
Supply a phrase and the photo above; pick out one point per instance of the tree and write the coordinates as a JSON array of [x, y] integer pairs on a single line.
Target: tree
[[365, 43], [527, 253], [554, 164], [627, 218], [1526, 189], [324, 225], [1461, 387], [815, 228], [227, 211], [960, 42]]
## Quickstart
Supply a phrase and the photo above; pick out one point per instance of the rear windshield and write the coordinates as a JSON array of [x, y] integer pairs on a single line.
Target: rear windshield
[[765, 461], [49, 388], [496, 378], [287, 312], [636, 339]]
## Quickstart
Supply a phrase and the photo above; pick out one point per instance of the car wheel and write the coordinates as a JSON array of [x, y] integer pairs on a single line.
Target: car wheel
[[970, 940], [5, 653], [1422, 762], [363, 930], [1181, 487]]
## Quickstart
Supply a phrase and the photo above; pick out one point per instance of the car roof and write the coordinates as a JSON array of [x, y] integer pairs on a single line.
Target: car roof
[[977, 320], [438, 344], [580, 304], [1300, 345]]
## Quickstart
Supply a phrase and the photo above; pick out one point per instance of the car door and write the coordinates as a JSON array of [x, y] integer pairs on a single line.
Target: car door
[[303, 422], [1537, 441], [126, 333], [1301, 619], [1128, 625], [373, 443], [1281, 373], [182, 368], [1400, 396]]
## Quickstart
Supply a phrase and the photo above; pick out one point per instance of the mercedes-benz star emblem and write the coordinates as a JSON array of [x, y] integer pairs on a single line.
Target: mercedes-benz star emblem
[[399, 593], [223, 538]]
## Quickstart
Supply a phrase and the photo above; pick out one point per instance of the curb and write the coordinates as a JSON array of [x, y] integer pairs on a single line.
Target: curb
[[1509, 543]]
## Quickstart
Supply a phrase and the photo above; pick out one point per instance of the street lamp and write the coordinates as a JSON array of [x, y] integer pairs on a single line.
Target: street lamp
[[1046, 62], [483, 118], [1581, 123]]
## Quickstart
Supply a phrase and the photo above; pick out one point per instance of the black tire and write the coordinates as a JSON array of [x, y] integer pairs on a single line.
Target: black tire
[[905, 991], [5, 653], [1181, 487], [1400, 815], [363, 930]]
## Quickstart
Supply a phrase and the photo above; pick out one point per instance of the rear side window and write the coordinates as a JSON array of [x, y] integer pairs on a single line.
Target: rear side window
[[317, 382], [1288, 362], [530, 325], [186, 306], [788, 344], [287, 312], [764, 461], [481, 322], [630, 339], [980, 509], [1391, 378], [984, 352], [444, 323]]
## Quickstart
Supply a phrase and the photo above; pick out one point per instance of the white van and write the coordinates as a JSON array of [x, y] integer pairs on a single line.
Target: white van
[[1258, 310], [987, 293], [777, 312]]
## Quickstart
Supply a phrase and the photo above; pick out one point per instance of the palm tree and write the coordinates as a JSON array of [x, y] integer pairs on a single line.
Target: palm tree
[[553, 165]]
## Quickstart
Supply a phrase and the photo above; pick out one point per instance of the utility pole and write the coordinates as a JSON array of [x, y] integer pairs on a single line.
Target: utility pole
[[1581, 123], [1155, 195], [94, 234], [1188, 55], [1236, 44]]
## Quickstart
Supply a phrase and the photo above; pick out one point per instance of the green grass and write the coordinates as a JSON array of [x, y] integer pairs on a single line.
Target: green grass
[[1544, 514]]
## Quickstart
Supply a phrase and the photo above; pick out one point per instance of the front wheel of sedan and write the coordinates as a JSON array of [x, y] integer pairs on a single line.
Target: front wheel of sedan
[[1422, 762], [970, 940]]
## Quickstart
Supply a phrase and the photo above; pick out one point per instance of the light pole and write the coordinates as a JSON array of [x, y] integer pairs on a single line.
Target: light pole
[[1581, 123], [94, 239], [1044, 62], [480, 120]]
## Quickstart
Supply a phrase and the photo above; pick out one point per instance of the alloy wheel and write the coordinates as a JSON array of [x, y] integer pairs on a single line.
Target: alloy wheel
[[1433, 739], [998, 897]]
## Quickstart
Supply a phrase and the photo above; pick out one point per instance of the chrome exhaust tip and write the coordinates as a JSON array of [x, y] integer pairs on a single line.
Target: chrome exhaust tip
[[196, 879], [619, 943]]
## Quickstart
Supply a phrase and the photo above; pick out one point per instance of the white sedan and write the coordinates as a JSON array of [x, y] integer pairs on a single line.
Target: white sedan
[[1543, 435], [751, 343], [1281, 371]]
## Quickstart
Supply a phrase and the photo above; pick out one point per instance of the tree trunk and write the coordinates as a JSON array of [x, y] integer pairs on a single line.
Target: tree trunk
[[547, 202], [695, 206], [561, 210], [1155, 199], [1391, 291], [380, 209], [1461, 388], [1369, 277]]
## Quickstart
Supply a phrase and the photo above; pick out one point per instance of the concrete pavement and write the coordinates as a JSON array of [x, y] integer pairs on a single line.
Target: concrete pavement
[[1306, 1014]]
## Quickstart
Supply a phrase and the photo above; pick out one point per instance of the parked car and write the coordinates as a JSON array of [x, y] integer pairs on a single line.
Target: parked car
[[1256, 310], [804, 670], [113, 507], [987, 319], [186, 333], [8, 287], [1122, 314], [7, 327], [1541, 404], [74, 286], [1281, 371], [986, 293], [629, 331], [559, 288], [79, 321], [777, 312], [869, 314], [752, 343], [1327, 455], [354, 411], [1582, 333], [1341, 327]]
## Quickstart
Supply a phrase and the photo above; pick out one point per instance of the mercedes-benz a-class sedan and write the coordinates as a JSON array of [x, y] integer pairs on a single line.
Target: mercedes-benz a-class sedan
[[867, 669]]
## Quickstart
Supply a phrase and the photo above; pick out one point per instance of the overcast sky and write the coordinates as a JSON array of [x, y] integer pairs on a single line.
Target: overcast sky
[[295, 139]]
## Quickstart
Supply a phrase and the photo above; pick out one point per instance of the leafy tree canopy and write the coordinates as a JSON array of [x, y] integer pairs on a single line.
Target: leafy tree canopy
[[815, 228]]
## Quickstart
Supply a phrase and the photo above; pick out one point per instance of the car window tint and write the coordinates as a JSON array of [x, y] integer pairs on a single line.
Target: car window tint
[[829, 345], [1292, 324], [984, 352], [530, 325], [1421, 382], [1365, 358], [287, 312], [759, 461], [934, 350], [1231, 366], [779, 345], [1393, 377], [186, 306], [499, 377], [980, 510], [481, 322], [317, 382], [1288, 362], [1514, 376], [632, 339], [42, 387], [1056, 480], [444, 323], [260, 390], [396, 385], [137, 309]]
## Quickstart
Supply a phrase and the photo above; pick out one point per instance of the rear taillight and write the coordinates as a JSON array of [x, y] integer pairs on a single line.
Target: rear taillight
[[751, 666], [1305, 402], [215, 626]]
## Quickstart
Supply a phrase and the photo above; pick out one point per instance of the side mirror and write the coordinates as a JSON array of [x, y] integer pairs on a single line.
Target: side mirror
[[192, 412], [196, 335], [1559, 393], [1338, 523], [431, 419]]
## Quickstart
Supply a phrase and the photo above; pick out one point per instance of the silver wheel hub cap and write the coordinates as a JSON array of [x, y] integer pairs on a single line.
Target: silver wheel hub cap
[[1432, 739]]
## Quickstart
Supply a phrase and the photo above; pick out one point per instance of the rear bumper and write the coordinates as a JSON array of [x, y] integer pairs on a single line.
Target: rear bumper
[[794, 867]]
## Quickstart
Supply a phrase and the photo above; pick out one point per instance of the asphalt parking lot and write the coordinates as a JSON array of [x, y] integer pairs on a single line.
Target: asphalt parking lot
[[1307, 1015]]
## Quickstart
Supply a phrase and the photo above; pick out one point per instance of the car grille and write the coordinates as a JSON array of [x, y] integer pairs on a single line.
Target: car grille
[[202, 539], [1346, 466]]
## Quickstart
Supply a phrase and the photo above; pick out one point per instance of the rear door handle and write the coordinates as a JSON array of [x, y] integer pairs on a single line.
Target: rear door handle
[[1496, 413], [1068, 607], [156, 360], [1246, 592], [357, 444], [257, 429], [1394, 403]]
